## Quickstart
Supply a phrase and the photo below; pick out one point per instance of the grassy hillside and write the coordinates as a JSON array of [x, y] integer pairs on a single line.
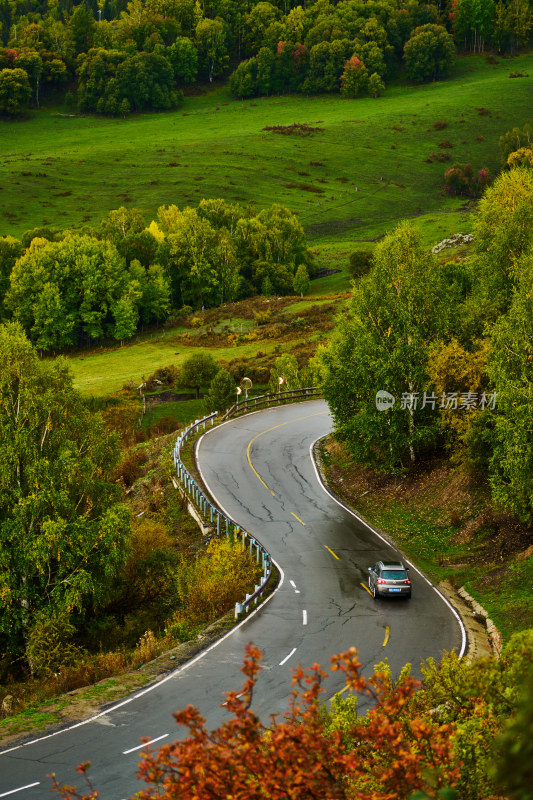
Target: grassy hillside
[[295, 325], [363, 169]]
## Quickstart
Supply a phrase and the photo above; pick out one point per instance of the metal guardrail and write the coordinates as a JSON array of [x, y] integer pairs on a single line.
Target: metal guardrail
[[270, 399], [216, 517], [213, 515]]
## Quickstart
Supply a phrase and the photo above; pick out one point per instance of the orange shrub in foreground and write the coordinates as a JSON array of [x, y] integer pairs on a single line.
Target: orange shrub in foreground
[[387, 754]]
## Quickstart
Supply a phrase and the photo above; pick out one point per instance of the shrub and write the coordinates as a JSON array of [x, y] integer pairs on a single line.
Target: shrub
[[164, 425], [163, 377], [262, 317], [147, 648], [438, 157], [461, 181], [216, 579], [359, 263], [50, 644], [132, 467]]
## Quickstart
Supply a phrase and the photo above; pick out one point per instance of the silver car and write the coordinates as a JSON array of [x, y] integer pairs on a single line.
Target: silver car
[[389, 578]]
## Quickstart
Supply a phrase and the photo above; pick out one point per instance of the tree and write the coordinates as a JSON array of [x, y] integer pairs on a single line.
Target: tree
[[301, 281], [514, 140], [512, 24], [155, 303], [509, 368], [146, 80], [198, 370], [451, 366], [473, 22], [243, 81], [274, 236], [126, 318], [326, 64], [122, 222], [429, 54], [15, 91], [82, 26], [184, 59], [32, 64], [211, 43], [63, 534], [84, 278], [96, 73], [221, 394], [514, 767], [10, 250], [382, 344], [503, 228], [256, 23], [193, 246], [376, 87], [354, 78]]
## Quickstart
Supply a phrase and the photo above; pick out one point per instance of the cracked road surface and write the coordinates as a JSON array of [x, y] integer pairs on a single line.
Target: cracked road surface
[[260, 471]]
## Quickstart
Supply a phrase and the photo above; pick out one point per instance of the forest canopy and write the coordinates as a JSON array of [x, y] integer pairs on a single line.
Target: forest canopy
[[68, 288], [116, 57]]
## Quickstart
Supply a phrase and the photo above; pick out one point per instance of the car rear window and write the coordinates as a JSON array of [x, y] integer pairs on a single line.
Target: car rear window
[[394, 574]]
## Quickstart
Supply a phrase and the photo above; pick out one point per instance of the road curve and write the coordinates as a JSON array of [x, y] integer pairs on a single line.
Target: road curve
[[260, 471]]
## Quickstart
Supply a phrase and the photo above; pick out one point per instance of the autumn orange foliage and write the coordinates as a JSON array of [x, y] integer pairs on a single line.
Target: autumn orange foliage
[[386, 756]]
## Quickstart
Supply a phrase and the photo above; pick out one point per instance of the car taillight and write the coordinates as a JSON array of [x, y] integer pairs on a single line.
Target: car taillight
[[408, 582], [380, 580]]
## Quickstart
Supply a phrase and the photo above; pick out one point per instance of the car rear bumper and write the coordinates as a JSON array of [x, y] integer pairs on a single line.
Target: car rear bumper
[[385, 591]]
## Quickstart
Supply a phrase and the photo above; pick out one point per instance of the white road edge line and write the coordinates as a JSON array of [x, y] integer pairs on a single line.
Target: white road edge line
[[370, 528], [21, 789], [281, 663], [179, 670], [292, 584], [145, 744], [304, 617]]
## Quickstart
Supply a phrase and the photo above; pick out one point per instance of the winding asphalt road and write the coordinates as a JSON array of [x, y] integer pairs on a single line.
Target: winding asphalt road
[[260, 471]]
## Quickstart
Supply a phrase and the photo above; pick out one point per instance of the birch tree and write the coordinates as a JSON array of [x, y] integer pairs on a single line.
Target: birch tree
[[63, 533], [382, 343]]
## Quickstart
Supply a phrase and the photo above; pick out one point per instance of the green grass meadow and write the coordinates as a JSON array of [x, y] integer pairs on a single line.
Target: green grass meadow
[[349, 182]]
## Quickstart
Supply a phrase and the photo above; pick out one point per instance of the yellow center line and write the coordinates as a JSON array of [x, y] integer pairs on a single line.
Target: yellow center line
[[367, 589], [341, 691], [250, 443], [332, 553], [386, 636], [298, 518]]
